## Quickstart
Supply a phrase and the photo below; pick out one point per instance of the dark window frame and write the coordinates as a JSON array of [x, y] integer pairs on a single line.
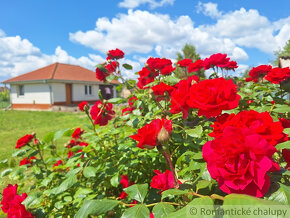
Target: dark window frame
[[88, 90], [21, 90]]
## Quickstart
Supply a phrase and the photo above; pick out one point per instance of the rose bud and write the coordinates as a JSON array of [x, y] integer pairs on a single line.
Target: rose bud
[[163, 135]]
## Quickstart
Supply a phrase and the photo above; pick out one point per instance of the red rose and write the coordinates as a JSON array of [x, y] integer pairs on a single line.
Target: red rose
[[70, 154], [184, 63], [180, 95], [163, 181], [59, 162], [84, 144], [27, 161], [231, 65], [111, 67], [258, 72], [11, 203], [259, 123], [77, 133], [101, 74], [115, 54], [35, 141], [158, 64], [160, 89], [24, 141], [127, 110], [250, 101], [216, 60], [285, 122], [83, 105], [8, 196], [16, 209], [286, 156], [167, 70], [196, 66], [132, 100], [277, 75], [125, 184], [148, 135], [239, 160], [146, 77], [212, 96], [102, 113]]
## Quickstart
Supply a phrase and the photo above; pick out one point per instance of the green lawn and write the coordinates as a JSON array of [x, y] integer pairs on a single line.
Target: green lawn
[[15, 124]]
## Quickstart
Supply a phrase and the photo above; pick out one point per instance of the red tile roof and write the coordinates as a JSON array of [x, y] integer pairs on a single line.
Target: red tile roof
[[58, 71]]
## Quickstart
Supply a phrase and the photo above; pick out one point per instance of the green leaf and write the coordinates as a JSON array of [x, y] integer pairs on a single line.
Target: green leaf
[[32, 200], [138, 211], [116, 100], [287, 131], [196, 132], [283, 145], [100, 96], [101, 67], [90, 172], [48, 138], [58, 134], [82, 192], [111, 77], [19, 153], [173, 192], [6, 172], [202, 184], [171, 79], [162, 210], [127, 66], [137, 191], [192, 209], [281, 108], [96, 207], [66, 184], [240, 199], [282, 195], [115, 180]]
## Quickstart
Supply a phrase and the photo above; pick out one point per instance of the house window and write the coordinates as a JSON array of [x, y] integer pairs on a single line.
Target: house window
[[20, 90], [88, 90]]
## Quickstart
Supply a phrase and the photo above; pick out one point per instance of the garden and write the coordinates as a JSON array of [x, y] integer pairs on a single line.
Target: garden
[[181, 143]]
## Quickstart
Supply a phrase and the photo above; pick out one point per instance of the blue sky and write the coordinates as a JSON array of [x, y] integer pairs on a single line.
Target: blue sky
[[36, 33]]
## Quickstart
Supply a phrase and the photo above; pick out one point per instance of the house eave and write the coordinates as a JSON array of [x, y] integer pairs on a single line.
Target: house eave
[[55, 81]]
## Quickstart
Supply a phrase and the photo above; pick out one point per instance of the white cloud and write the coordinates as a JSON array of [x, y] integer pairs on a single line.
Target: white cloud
[[208, 9], [152, 3], [249, 29], [144, 32], [19, 56]]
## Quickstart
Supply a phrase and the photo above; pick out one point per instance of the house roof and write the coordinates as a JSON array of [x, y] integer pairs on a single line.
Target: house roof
[[58, 71]]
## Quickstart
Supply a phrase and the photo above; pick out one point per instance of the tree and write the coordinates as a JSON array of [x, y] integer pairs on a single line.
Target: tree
[[189, 52], [285, 51]]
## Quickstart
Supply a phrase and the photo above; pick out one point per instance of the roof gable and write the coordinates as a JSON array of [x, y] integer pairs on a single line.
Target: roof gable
[[58, 71]]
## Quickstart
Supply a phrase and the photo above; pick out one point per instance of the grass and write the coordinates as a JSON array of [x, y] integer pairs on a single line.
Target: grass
[[15, 124]]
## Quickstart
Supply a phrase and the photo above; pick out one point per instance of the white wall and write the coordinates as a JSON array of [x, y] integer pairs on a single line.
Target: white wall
[[33, 94], [58, 92], [78, 92]]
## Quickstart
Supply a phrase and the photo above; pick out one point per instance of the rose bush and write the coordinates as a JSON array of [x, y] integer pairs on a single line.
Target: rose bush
[[176, 141]]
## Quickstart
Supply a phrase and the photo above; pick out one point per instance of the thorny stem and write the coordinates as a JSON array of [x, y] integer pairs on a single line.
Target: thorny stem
[[149, 205], [167, 157], [87, 112], [213, 196], [41, 157]]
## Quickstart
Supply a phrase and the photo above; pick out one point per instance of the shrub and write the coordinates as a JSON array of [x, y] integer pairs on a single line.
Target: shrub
[[179, 142]]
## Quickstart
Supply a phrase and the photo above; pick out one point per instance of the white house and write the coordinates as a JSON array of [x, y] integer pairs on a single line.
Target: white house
[[57, 84]]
